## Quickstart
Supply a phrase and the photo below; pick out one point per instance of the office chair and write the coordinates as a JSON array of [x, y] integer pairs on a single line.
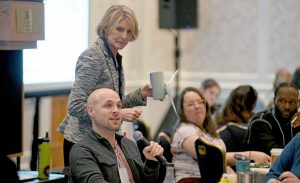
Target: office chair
[[164, 139], [233, 135], [211, 160]]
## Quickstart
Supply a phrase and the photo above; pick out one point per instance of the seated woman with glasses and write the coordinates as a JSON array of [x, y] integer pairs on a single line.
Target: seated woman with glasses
[[195, 121]]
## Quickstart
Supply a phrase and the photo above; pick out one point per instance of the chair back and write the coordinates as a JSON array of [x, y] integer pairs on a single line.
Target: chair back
[[211, 160], [164, 139], [233, 135]]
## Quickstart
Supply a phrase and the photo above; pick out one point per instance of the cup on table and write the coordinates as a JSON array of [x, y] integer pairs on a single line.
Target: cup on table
[[245, 177], [259, 174], [158, 85], [242, 165], [275, 152]]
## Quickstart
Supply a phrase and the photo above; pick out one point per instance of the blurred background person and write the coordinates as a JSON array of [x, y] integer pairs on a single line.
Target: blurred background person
[[211, 90], [296, 82], [282, 75], [234, 116], [296, 78]]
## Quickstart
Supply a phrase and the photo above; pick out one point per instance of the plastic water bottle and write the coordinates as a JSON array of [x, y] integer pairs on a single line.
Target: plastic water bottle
[[44, 157], [244, 174], [169, 178]]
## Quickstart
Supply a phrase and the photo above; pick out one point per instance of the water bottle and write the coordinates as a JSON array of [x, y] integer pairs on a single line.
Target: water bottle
[[169, 178], [244, 175], [44, 157]]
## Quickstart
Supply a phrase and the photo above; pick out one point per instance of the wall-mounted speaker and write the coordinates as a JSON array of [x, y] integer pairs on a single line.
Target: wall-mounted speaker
[[178, 14], [11, 97]]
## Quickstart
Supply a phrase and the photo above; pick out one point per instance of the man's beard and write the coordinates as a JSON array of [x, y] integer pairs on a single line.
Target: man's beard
[[280, 117]]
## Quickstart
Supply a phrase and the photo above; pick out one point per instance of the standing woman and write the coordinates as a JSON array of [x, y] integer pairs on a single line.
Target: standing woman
[[100, 66]]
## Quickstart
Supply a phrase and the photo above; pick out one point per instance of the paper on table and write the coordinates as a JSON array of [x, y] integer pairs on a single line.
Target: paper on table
[[169, 88]]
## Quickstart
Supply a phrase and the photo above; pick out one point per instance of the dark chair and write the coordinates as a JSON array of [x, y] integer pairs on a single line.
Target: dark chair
[[8, 169], [233, 135], [164, 139], [211, 160]]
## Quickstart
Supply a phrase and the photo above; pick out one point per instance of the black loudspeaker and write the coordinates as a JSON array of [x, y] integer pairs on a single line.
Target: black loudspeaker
[[178, 14], [11, 97]]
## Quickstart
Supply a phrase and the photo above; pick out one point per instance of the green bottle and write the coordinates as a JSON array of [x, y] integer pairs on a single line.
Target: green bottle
[[44, 157]]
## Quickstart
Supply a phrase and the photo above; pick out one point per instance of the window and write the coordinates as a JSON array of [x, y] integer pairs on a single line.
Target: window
[[66, 36]]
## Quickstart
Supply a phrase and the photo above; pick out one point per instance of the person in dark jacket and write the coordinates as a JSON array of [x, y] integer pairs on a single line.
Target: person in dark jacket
[[272, 128], [103, 155]]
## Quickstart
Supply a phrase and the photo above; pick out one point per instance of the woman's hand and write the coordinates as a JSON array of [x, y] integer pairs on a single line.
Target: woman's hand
[[146, 90], [259, 157], [154, 149], [131, 114]]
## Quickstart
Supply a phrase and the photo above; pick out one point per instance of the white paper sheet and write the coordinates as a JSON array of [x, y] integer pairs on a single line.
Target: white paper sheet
[[169, 89]]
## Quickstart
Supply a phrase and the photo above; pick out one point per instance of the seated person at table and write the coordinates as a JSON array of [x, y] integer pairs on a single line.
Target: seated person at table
[[195, 121], [287, 167], [272, 128], [103, 155], [234, 117], [282, 75]]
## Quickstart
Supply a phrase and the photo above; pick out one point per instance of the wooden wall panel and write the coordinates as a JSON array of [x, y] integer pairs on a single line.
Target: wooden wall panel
[[59, 110]]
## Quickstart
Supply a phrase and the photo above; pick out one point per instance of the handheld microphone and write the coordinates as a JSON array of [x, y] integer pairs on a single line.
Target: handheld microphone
[[138, 136]]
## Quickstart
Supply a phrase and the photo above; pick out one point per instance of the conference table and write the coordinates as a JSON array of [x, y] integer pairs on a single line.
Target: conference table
[[256, 175], [259, 174], [32, 177]]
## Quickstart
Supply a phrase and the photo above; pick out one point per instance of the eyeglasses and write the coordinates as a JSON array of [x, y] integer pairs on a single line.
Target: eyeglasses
[[198, 102]]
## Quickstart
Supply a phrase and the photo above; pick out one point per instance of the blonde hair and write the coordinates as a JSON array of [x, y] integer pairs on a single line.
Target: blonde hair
[[116, 14]]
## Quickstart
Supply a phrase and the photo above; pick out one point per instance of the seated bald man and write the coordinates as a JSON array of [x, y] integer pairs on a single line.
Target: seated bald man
[[105, 156]]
